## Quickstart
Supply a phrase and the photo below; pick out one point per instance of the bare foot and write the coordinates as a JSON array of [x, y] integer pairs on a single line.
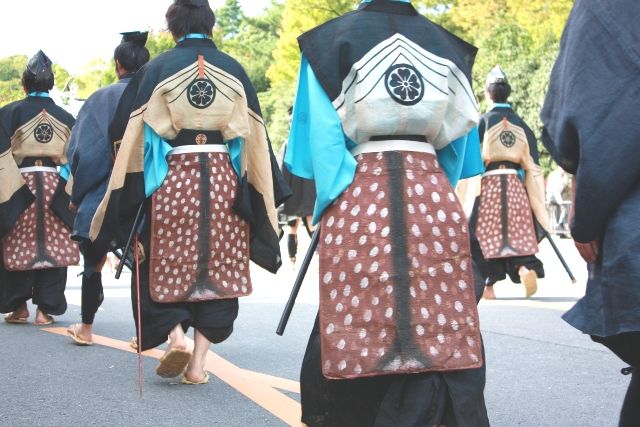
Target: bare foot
[[42, 318], [176, 339], [529, 279], [81, 333], [195, 377], [488, 293], [21, 315], [176, 358]]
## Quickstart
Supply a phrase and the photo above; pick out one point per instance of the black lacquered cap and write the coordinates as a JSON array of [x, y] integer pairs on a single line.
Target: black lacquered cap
[[137, 37], [193, 3], [40, 65]]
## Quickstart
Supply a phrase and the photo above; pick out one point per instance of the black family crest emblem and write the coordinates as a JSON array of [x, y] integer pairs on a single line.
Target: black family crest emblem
[[43, 133], [404, 84], [201, 93], [507, 138]]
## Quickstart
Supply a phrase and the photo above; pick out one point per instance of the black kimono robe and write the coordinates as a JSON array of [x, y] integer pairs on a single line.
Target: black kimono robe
[[197, 98], [389, 75], [508, 144], [34, 216], [592, 129]]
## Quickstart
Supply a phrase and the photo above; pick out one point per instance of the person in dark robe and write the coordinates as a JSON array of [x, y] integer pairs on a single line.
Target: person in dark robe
[[385, 122], [298, 208], [194, 157], [592, 130], [90, 160], [504, 238], [34, 216]]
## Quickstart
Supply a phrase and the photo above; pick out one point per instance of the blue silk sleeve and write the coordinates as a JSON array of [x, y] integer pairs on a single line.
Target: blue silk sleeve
[[65, 172], [317, 146], [235, 151], [155, 160], [462, 158]]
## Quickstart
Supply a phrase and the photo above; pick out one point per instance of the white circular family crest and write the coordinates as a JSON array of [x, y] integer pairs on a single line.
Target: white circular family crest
[[404, 84], [201, 93], [507, 138], [43, 133]]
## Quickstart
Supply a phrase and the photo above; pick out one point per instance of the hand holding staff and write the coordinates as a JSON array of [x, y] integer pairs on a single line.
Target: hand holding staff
[[134, 230]]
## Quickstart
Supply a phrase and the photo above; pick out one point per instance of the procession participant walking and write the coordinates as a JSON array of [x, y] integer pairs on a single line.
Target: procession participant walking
[[558, 195], [193, 149], [503, 222], [384, 121], [34, 216], [591, 129], [90, 160]]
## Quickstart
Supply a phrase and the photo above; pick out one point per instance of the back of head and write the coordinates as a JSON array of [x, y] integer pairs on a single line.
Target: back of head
[[190, 17], [38, 76], [131, 52], [497, 85]]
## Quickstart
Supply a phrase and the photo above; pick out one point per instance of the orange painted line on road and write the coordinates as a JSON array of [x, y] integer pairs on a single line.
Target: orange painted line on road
[[260, 388], [277, 382]]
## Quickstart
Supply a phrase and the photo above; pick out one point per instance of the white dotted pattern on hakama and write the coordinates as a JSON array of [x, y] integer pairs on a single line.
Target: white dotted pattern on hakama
[[175, 246], [520, 229], [358, 286], [22, 247]]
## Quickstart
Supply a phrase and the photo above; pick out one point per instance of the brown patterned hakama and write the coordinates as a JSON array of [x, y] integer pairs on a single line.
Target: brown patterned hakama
[[40, 240], [505, 222], [396, 287], [199, 245]]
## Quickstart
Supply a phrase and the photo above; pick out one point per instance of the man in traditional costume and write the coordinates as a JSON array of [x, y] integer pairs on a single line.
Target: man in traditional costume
[[90, 161], [591, 128], [385, 122], [503, 225], [34, 216], [193, 151]]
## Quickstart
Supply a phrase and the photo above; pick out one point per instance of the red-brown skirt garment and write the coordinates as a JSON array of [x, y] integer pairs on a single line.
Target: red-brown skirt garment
[[505, 220], [199, 245], [396, 286], [40, 239]]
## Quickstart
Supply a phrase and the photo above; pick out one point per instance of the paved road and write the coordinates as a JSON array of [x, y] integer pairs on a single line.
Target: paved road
[[541, 372]]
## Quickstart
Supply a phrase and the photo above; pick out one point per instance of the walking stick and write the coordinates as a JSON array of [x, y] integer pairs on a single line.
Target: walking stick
[[557, 251], [139, 316], [134, 229], [284, 319]]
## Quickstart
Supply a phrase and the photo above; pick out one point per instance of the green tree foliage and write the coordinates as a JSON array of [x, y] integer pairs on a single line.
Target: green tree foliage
[[229, 19], [298, 17], [522, 36], [251, 40], [99, 73], [159, 42], [11, 69]]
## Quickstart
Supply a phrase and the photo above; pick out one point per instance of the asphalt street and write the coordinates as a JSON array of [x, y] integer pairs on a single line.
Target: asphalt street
[[540, 371]]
